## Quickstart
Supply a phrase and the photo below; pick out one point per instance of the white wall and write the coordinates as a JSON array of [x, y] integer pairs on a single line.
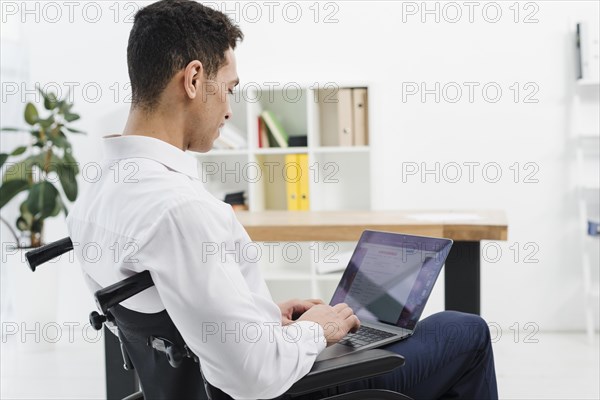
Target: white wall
[[371, 43]]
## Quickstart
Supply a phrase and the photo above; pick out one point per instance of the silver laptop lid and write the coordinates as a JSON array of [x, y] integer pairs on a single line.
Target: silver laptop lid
[[390, 277]]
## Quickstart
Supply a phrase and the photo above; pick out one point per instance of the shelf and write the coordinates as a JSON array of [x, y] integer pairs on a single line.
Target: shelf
[[300, 276], [333, 276], [303, 288], [341, 149], [288, 107], [336, 176], [585, 82], [339, 176], [222, 152], [588, 187], [285, 276], [279, 269], [335, 108], [290, 290], [281, 150], [319, 150]]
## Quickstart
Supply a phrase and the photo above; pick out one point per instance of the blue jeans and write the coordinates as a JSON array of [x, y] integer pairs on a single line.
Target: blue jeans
[[448, 357]]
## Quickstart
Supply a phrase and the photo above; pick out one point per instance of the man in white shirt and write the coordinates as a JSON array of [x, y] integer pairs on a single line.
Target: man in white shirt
[[149, 211]]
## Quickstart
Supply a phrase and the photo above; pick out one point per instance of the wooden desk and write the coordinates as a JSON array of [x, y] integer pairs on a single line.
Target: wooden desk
[[349, 225], [466, 228]]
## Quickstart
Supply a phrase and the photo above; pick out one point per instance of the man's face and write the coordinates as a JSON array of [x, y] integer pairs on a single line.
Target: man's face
[[211, 106]]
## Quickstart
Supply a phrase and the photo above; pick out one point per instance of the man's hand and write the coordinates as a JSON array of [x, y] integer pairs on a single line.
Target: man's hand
[[292, 309], [336, 321]]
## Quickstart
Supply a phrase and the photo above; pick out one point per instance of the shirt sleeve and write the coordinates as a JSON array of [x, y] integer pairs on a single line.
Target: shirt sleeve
[[192, 255]]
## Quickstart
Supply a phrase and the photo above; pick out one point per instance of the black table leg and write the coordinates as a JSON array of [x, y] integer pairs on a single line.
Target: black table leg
[[119, 382], [463, 278]]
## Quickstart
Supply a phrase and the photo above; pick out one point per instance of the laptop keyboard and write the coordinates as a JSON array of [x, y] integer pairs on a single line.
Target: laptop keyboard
[[364, 336]]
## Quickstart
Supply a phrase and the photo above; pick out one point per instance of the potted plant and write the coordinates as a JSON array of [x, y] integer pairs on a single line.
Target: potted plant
[[48, 152], [36, 169]]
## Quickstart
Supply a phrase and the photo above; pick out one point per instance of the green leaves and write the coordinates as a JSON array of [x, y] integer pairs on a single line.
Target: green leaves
[[57, 207], [64, 106], [50, 100], [16, 171], [42, 199], [31, 114], [25, 220], [10, 189], [59, 138], [47, 123], [48, 151], [18, 151], [66, 174], [69, 159], [73, 130], [70, 117], [22, 224]]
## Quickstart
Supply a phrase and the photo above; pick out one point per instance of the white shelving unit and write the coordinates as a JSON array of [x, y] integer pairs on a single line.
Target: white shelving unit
[[339, 178], [588, 198], [585, 131]]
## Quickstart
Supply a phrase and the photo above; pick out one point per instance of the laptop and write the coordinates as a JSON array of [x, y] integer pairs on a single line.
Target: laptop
[[387, 284]]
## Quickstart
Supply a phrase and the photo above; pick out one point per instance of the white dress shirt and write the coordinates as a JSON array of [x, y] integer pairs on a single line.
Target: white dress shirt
[[144, 207]]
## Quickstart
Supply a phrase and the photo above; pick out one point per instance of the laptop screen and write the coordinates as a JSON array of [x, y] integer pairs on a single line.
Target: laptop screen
[[390, 277]]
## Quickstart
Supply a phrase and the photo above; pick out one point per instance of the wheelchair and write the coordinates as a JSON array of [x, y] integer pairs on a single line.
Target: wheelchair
[[152, 346]]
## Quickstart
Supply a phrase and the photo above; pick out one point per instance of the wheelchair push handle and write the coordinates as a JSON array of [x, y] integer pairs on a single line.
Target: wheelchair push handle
[[48, 252]]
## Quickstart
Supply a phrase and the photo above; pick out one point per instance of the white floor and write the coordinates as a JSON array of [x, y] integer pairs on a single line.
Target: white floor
[[558, 366]]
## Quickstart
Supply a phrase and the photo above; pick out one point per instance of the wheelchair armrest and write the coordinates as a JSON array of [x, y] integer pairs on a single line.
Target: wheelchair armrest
[[345, 369], [114, 294], [48, 252]]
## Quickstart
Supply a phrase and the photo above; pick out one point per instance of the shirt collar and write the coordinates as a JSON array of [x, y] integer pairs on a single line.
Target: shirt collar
[[117, 147]]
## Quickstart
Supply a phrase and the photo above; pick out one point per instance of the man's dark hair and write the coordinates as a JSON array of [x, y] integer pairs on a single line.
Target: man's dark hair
[[168, 35]]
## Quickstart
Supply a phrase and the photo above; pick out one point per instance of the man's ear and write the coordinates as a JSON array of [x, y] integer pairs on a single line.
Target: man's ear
[[193, 78]]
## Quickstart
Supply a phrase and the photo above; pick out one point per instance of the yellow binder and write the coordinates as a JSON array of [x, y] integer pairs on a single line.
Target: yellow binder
[[292, 175], [304, 197]]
